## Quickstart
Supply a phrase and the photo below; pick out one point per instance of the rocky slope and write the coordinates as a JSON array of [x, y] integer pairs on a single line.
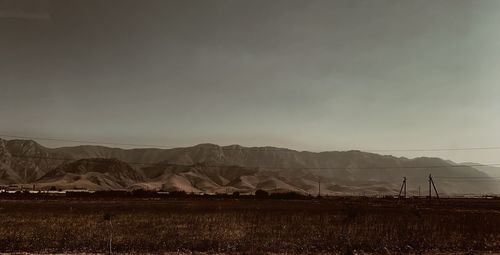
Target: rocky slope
[[94, 173], [213, 168], [25, 161]]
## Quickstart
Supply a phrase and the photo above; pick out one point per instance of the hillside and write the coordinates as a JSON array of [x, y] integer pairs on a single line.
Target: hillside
[[213, 168], [94, 173], [25, 161], [492, 171]]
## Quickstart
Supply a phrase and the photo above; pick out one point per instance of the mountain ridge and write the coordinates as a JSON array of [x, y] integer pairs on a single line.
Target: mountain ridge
[[214, 168]]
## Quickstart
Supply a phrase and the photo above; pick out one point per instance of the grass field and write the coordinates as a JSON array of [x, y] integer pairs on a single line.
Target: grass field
[[338, 225]]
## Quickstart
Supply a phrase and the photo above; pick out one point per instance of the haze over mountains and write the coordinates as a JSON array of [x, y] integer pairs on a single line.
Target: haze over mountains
[[211, 168]]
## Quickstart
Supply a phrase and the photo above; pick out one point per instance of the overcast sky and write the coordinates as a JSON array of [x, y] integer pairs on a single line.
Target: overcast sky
[[308, 75]]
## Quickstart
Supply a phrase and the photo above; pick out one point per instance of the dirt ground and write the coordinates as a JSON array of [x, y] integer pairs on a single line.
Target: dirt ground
[[231, 226]]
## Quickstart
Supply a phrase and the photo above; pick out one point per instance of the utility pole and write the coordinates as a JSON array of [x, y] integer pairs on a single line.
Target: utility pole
[[403, 188], [432, 185], [319, 187], [430, 191], [418, 191], [405, 185]]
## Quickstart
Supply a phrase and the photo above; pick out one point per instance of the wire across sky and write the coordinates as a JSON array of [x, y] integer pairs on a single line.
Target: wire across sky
[[82, 142]]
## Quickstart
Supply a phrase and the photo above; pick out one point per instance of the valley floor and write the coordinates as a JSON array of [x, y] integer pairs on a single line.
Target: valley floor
[[230, 226], [271, 253]]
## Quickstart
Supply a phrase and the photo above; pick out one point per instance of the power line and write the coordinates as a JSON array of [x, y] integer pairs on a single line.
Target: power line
[[467, 177], [83, 141], [231, 148], [166, 163], [203, 164], [472, 180], [440, 149]]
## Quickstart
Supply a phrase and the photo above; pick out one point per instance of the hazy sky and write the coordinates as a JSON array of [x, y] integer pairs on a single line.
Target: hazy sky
[[308, 75]]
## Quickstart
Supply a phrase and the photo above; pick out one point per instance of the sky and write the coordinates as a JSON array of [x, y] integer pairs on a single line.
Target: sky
[[307, 75]]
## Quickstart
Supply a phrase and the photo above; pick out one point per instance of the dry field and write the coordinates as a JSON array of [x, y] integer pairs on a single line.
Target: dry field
[[341, 225]]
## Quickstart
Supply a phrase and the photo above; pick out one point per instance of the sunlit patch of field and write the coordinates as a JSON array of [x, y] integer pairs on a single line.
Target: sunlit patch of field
[[360, 226]]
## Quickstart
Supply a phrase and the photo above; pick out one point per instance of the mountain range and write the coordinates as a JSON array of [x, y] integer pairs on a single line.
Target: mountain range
[[210, 168]]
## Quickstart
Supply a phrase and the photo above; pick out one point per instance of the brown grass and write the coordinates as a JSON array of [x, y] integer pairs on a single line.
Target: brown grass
[[249, 226]]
